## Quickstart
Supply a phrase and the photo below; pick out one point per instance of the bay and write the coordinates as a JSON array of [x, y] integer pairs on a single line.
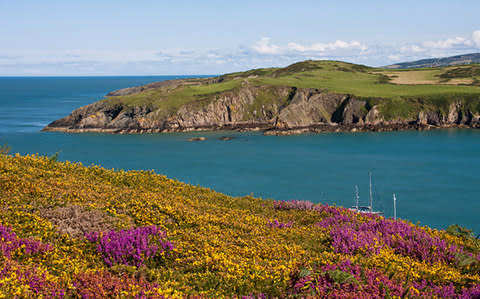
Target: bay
[[435, 174]]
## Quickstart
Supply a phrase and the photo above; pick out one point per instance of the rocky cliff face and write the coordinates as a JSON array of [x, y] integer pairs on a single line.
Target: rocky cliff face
[[287, 109], [456, 114]]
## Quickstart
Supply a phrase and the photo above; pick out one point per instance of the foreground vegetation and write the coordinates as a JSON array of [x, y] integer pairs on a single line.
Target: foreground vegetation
[[72, 231]]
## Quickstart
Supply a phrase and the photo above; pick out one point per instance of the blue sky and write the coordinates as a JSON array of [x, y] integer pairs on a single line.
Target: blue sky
[[212, 37]]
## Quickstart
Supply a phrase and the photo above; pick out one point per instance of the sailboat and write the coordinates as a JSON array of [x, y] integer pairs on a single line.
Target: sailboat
[[365, 209]]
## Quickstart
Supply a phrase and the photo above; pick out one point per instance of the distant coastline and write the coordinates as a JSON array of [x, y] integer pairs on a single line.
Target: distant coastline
[[309, 96]]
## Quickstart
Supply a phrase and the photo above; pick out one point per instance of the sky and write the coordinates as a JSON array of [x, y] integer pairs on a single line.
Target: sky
[[103, 37]]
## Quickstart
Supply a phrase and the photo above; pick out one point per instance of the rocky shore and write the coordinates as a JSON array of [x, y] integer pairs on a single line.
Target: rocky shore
[[316, 128], [381, 127]]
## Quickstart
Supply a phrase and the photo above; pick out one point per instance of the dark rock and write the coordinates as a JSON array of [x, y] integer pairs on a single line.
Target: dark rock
[[197, 139], [126, 91]]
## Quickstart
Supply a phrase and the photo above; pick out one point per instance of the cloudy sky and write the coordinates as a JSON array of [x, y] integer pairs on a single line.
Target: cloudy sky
[[57, 38]]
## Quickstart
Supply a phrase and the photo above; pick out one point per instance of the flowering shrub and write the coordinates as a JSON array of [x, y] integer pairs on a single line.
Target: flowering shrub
[[225, 247], [27, 281], [9, 242], [348, 236], [276, 224], [293, 205], [103, 284], [131, 247], [348, 280]]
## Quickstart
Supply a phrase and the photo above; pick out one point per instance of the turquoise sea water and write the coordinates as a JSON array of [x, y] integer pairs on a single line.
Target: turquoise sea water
[[435, 174]]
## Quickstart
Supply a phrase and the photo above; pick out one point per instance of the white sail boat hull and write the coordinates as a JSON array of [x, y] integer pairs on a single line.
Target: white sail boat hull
[[365, 209]]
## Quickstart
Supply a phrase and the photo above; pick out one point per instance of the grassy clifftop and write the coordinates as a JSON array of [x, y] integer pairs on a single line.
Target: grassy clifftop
[[335, 76], [74, 231]]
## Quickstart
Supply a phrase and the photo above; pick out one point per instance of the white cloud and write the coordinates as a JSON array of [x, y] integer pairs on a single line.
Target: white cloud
[[432, 48], [263, 46], [476, 38], [296, 47], [394, 57], [322, 47], [412, 49], [448, 43]]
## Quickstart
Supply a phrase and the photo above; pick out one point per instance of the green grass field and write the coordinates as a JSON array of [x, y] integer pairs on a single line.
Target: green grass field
[[344, 78]]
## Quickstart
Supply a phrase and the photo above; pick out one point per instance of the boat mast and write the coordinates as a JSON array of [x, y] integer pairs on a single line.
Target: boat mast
[[394, 207], [356, 196], [371, 197]]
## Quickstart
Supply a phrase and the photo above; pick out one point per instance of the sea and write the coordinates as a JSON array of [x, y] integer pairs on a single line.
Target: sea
[[434, 174]]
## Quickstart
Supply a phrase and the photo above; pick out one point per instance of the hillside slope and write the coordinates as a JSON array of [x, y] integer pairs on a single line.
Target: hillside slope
[[436, 62], [86, 232], [306, 96]]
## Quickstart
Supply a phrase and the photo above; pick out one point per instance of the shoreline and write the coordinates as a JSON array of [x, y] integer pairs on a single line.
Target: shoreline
[[268, 130]]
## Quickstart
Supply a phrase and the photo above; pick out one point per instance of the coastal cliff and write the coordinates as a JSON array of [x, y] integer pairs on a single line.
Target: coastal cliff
[[268, 100]]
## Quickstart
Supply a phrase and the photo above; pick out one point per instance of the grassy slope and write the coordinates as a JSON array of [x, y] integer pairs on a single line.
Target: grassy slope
[[403, 92], [346, 78], [224, 245], [171, 100]]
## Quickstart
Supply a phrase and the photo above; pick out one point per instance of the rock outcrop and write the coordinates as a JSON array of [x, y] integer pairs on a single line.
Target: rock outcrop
[[287, 110]]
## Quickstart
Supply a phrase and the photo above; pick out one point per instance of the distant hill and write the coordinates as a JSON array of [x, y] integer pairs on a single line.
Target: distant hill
[[435, 62]]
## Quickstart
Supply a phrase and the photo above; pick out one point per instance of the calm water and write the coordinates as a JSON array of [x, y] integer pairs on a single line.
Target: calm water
[[435, 174]]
